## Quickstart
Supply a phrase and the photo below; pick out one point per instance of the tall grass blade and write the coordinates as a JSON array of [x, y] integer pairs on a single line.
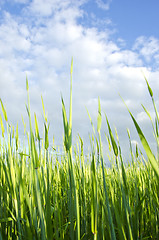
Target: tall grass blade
[[114, 145], [146, 146], [4, 111], [2, 126], [99, 119]]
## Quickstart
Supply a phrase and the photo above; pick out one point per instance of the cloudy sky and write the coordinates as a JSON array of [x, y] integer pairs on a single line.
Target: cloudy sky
[[111, 43]]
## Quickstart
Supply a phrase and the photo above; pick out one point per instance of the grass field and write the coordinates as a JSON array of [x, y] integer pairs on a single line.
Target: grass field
[[44, 195]]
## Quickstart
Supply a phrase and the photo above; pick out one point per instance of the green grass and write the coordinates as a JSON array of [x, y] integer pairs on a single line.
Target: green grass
[[44, 195]]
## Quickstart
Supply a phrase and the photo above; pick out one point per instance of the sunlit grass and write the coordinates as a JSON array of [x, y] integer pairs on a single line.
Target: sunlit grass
[[44, 195]]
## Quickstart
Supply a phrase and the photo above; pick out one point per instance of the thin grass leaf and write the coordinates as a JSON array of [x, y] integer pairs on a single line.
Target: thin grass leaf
[[45, 116], [91, 121], [2, 126], [36, 128], [27, 85], [149, 88], [99, 119], [46, 136], [4, 111], [151, 94], [114, 145], [16, 137], [70, 111], [66, 126], [146, 146]]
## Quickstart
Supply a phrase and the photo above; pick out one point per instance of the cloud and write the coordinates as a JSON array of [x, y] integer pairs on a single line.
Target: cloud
[[13, 36], [45, 8], [21, 1], [142, 117], [103, 5], [148, 47], [42, 45]]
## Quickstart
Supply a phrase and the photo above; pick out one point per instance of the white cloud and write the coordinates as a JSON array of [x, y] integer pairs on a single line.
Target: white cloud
[[147, 47], [20, 1], [49, 7], [44, 8], [103, 5], [126, 58], [43, 50], [13, 36], [142, 117], [121, 42]]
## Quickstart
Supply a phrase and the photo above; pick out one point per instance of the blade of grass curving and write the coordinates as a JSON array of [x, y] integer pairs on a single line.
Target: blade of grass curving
[[155, 128], [114, 145], [148, 86], [151, 94], [146, 146], [4, 111], [148, 114]]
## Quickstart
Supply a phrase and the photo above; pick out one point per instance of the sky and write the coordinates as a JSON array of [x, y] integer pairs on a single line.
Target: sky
[[112, 44]]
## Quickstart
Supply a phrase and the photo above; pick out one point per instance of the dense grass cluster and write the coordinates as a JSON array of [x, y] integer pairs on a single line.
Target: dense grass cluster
[[44, 195]]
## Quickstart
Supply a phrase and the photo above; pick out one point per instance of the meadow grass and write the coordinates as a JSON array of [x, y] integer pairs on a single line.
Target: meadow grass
[[44, 195]]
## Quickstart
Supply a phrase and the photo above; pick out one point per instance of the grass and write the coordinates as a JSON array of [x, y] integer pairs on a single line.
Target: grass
[[44, 195]]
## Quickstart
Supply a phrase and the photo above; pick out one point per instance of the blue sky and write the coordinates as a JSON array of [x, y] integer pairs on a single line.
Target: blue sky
[[135, 18], [111, 43], [130, 19]]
